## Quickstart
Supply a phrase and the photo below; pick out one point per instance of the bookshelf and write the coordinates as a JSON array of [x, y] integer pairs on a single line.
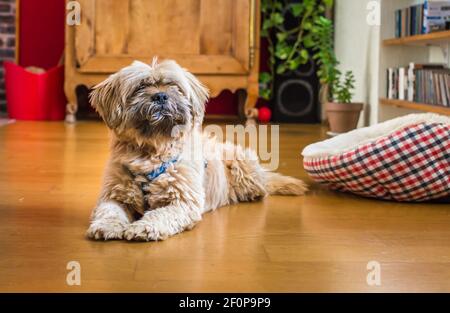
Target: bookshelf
[[399, 52], [416, 106], [436, 38]]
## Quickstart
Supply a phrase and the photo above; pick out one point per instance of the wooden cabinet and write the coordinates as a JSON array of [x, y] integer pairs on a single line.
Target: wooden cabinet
[[217, 40]]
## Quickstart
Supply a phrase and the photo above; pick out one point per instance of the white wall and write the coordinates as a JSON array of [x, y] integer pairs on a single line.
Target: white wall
[[357, 49]]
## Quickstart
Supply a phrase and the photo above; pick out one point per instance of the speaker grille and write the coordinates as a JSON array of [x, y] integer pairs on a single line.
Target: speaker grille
[[295, 97], [296, 93]]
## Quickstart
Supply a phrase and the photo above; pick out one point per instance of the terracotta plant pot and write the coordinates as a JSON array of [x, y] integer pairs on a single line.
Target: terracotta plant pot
[[343, 117]]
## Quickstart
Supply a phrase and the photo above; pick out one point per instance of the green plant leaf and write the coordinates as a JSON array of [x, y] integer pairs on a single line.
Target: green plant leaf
[[304, 54], [294, 64], [264, 6], [328, 3], [278, 5], [267, 24], [308, 25], [281, 68], [281, 36], [282, 50], [265, 94], [308, 41], [325, 21], [296, 9], [276, 18], [265, 77]]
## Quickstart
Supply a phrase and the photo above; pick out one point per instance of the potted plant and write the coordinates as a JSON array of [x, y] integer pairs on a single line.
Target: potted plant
[[291, 47], [342, 113], [337, 91]]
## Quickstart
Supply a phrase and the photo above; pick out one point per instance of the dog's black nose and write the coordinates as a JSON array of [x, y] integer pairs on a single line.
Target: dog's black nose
[[160, 97]]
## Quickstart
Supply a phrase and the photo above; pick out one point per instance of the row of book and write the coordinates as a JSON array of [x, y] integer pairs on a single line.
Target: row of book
[[423, 83], [423, 18]]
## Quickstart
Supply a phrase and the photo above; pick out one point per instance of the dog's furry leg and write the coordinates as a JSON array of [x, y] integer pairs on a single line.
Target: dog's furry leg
[[277, 184], [177, 202], [109, 220], [119, 199], [164, 222]]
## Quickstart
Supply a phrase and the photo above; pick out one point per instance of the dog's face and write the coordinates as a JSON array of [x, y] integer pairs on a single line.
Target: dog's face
[[150, 100]]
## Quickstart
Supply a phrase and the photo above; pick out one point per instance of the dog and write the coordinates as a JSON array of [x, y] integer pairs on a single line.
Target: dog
[[159, 181]]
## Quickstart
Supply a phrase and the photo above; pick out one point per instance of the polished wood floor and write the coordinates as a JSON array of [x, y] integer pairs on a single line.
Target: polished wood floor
[[49, 179]]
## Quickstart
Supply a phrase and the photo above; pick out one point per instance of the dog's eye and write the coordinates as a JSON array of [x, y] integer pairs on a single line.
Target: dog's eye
[[141, 87], [176, 88]]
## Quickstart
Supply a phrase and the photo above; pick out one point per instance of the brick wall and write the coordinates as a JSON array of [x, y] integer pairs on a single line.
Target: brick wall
[[7, 41]]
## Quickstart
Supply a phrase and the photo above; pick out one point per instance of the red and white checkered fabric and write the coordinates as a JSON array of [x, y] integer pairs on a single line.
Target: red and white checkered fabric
[[411, 164]]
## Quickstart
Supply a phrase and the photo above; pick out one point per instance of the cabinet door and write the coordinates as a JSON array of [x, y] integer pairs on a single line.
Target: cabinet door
[[205, 36]]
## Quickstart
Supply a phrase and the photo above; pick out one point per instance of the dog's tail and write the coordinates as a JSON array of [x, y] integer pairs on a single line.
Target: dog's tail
[[277, 184]]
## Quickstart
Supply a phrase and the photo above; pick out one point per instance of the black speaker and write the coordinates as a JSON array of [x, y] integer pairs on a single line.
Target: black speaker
[[296, 93]]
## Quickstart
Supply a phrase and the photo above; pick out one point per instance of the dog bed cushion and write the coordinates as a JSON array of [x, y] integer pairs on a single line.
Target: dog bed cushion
[[404, 159]]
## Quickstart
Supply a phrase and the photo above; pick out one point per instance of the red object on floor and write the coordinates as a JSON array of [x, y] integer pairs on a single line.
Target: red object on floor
[[264, 115], [33, 96]]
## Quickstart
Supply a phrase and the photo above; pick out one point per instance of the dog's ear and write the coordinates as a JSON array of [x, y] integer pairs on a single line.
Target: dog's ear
[[198, 96], [105, 98]]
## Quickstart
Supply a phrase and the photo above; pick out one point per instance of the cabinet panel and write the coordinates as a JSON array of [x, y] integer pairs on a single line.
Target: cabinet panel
[[206, 36]]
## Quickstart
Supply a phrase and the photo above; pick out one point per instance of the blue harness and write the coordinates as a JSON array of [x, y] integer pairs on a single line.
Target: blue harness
[[151, 176], [160, 170]]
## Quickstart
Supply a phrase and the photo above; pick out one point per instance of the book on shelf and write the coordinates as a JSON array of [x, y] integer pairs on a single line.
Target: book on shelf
[[390, 83], [424, 18], [410, 82], [423, 83], [436, 13], [401, 83]]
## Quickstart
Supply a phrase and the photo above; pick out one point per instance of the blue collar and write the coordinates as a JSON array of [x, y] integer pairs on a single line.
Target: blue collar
[[155, 174], [151, 176], [160, 170]]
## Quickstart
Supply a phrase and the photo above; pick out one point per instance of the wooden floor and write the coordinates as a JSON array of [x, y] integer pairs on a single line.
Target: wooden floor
[[49, 179]]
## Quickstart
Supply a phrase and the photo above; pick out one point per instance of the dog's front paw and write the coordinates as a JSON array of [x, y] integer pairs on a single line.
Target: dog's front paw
[[144, 231], [106, 229]]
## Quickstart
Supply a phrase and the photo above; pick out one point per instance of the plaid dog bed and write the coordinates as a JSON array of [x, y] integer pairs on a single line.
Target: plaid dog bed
[[410, 163]]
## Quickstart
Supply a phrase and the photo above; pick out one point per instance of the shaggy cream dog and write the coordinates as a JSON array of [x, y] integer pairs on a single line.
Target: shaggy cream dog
[[163, 173]]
